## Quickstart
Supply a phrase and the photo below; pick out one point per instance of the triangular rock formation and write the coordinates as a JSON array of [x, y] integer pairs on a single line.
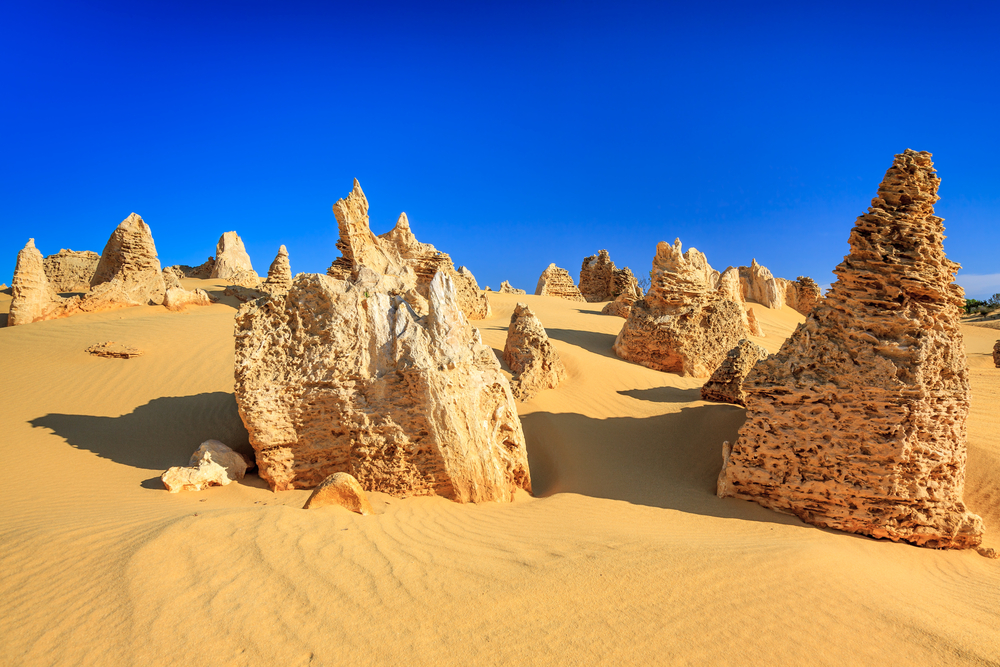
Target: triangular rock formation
[[555, 281], [34, 298], [859, 422], [279, 276], [232, 263], [128, 273], [530, 355], [601, 280]]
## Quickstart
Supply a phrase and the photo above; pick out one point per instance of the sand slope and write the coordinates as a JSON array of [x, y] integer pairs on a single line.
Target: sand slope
[[624, 556]]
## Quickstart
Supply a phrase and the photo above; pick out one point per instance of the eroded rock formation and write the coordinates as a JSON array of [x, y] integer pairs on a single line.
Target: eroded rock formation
[[232, 263], [178, 298], [397, 253], [34, 298], [996, 354], [343, 376], [279, 276], [684, 324], [859, 422], [70, 270], [342, 490], [802, 294], [128, 273], [212, 464], [760, 286], [506, 288], [726, 383], [530, 355], [557, 282], [620, 307], [203, 271], [114, 350], [601, 280]]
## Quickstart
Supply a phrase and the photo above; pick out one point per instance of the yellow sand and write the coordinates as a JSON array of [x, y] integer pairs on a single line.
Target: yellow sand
[[625, 555]]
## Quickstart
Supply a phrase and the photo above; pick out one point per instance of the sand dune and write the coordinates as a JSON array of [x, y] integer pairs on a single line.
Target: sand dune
[[625, 555]]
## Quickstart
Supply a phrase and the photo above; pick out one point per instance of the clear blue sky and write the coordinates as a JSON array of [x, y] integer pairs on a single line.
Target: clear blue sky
[[512, 134]]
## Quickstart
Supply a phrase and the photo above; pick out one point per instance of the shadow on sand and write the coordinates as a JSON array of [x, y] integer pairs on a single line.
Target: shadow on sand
[[155, 436], [665, 394], [670, 461], [592, 341]]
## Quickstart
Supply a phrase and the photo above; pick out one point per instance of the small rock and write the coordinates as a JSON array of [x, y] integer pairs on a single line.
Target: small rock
[[212, 464], [506, 288], [996, 354], [113, 350], [340, 489]]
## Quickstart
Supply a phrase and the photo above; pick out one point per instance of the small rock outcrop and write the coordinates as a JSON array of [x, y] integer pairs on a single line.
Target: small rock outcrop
[[505, 288], [620, 307], [113, 350], [212, 464], [726, 383], [859, 422], [232, 263], [344, 376], [202, 272], [128, 273], [557, 282], [279, 276], [342, 490], [684, 324], [802, 294], [601, 280], [996, 354], [397, 253], [178, 298], [70, 270], [34, 299], [530, 355], [761, 287]]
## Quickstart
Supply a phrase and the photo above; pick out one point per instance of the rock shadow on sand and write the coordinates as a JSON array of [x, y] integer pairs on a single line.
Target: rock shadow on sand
[[665, 394], [670, 461], [157, 435], [592, 341]]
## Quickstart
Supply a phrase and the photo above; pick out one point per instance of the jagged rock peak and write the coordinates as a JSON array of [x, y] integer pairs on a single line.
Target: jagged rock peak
[[33, 298], [279, 276], [555, 281], [726, 383], [530, 355], [886, 341]]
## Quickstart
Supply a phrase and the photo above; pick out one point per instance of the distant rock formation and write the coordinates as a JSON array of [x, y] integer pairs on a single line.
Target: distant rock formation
[[601, 280], [753, 326], [128, 273], [397, 253], [212, 464], [71, 271], [730, 285], [802, 294], [279, 276], [342, 490], [203, 271], [505, 288], [684, 324], [343, 376], [557, 282], [996, 354], [760, 286], [178, 298], [530, 355], [232, 263], [726, 383], [859, 422], [34, 298], [113, 350], [171, 278]]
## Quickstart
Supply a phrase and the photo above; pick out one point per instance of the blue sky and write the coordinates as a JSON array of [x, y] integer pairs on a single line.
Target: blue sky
[[512, 134]]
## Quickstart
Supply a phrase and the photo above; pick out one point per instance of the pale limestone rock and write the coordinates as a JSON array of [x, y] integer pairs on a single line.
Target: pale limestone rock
[[684, 324], [729, 284], [557, 282], [34, 299], [859, 422], [342, 490], [178, 298], [802, 294], [601, 280], [506, 288], [996, 354], [113, 350], [620, 307], [279, 276], [761, 287], [753, 326], [397, 253], [212, 464], [171, 279], [70, 270], [129, 271], [232, 263], [202, 271], [530, 355], [726, 383], [342, 376], [3, 287]]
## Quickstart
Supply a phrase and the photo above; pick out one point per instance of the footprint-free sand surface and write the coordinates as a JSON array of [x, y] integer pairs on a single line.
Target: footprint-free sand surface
[[624, 556]]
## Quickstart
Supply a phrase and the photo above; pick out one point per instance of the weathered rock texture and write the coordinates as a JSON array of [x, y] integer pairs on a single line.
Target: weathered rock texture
[[232, 263], [279, 276], [529, 353], [859, 422], [178, 298], [684, 324], [128, 273], [342, 490], [505, 288], [601, 280], [34, 298], [620, 307], [202, 271], [726, 383], [171, 278], [340, 376], [996, 354], [212, 464], [70, 270], [397, 253], [557, 282], [753, 326], [760, 286], [802, 294], [114, 350]]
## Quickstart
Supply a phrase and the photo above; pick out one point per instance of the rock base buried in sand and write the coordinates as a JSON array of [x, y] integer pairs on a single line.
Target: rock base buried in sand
[[114, 350], [340, 489], [212, 464], [531, 357], [996, 354], [726, 383]]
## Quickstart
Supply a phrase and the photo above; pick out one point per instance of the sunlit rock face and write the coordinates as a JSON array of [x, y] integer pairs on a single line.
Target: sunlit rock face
[[555, 281], [726, 383], [530, 355], [232, 263], [859, 422], [345, 376], [71, 270]]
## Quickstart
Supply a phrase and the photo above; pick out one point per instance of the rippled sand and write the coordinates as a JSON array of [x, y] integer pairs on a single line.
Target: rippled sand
[[625, 555]]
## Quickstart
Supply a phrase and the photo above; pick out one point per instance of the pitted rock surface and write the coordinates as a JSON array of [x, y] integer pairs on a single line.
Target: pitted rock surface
[[340, 376], [71, 270], [530, 355], [232, 263], [802, 294], [33, 297], [505, 288], [761, 287], [859, 422], [726, 383], [601, 280], [684, 324], [996, 354], [279, 276], [557, 282]]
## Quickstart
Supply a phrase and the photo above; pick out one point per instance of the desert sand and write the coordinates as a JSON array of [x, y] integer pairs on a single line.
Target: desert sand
[[624, 556]]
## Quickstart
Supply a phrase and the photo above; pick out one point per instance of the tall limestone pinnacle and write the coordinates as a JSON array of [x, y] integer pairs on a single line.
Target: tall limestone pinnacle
[[859, 422]]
